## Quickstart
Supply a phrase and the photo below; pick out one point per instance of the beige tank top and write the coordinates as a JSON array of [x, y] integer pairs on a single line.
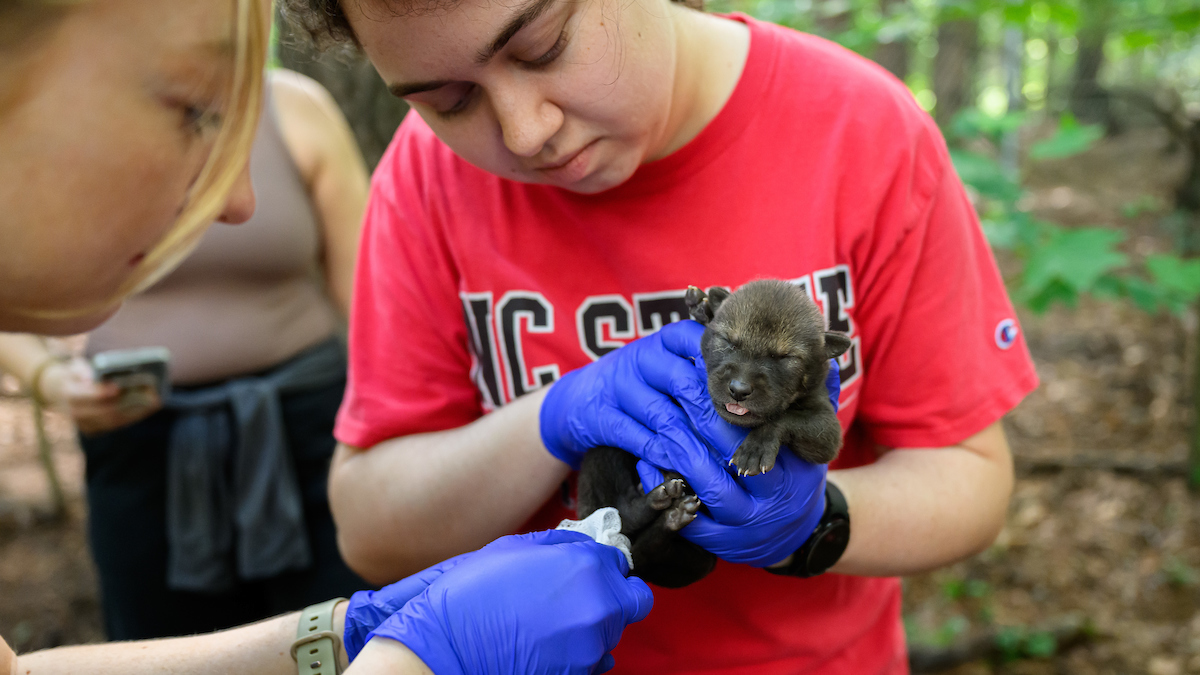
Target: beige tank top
[[251, 296]]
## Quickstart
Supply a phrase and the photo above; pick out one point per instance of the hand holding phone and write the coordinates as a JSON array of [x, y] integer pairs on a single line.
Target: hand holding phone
[[125, 387]]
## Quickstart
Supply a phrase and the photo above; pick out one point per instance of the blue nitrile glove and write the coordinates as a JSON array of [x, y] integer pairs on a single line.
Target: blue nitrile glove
[[368, 609], [524, 607], [624, 399], [758, 520]]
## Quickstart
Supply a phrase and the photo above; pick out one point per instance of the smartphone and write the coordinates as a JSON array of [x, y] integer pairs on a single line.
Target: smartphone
[[137, 372]]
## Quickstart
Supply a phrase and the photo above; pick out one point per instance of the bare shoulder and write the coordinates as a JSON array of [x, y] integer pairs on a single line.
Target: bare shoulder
[[301, 96], [309, 120]]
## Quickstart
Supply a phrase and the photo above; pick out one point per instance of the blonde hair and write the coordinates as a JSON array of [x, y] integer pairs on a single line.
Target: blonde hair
[[229, 155], [226, 161]]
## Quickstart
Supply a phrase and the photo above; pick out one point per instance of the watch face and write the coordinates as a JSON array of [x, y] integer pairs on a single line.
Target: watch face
[[828, 546]]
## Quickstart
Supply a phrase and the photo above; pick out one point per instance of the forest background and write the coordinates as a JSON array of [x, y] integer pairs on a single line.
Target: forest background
[[1076, 126]]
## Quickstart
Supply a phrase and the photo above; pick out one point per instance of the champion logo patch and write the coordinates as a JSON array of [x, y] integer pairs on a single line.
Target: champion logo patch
[[1006, 333]]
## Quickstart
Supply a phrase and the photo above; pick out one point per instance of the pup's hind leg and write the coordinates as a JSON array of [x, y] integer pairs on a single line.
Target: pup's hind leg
[[664, 558], [608, 477]]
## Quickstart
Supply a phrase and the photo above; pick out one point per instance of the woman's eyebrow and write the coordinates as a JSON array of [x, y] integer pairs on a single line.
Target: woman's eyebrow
[[531, 11]]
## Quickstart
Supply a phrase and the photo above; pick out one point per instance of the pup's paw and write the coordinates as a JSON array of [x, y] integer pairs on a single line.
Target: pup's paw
[[697, 304], [682, 512], [753, 458], [664, 495]]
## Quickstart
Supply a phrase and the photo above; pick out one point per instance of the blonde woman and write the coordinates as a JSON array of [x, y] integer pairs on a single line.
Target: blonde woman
[[212, 512], [125, 127]]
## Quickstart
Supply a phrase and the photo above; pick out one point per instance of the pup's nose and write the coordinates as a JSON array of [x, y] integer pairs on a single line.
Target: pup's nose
[[739, 390]]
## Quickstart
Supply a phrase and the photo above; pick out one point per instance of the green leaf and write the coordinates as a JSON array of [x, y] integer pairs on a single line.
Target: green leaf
[[951, 629], [1145, 295], [1186, 21], [1001, 234], [978, 588], [1138, 39], [1041, 644], [1075, 258], [1175, 275], [1041, 299], [1070, 139], [985, 175], [1009, 641], [974, 123]]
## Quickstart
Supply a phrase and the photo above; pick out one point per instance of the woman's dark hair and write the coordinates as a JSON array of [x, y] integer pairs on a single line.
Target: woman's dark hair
[[326, 23], [323, 20]]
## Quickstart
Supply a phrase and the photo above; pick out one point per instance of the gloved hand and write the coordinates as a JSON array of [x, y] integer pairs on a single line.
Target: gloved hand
[[530, 604], [624, 399], [757, 520], [368, 609]]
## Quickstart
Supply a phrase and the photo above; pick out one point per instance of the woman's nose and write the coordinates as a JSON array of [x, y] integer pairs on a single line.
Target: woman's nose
[[239, 206], [526, 119]]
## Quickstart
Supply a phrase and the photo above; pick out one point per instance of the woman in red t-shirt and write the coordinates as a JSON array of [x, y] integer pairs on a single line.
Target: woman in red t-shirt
[[569, 169]]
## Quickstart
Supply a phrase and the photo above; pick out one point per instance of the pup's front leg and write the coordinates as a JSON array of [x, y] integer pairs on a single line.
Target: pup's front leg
[[814, 435], [757, 453]]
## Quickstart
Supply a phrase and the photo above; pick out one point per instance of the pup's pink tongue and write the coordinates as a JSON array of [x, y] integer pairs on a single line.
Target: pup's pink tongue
[[735, 408]]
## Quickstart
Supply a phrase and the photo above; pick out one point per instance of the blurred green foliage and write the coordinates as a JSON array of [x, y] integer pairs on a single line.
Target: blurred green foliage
[[1059, 264]]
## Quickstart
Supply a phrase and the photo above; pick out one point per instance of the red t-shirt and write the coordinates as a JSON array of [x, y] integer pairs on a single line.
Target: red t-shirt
[[819, 169]]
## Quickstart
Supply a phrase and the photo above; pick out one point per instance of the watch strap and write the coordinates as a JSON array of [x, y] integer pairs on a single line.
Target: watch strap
[[316, 648], [832, 530]]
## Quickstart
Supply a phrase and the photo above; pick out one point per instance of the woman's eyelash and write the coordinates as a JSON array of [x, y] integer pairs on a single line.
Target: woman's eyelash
[[459, 106], [198, 119], [548, 57], [540, 62]]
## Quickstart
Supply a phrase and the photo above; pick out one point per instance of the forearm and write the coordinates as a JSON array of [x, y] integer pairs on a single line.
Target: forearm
[[915, 510], [410, 502], [262, 648]]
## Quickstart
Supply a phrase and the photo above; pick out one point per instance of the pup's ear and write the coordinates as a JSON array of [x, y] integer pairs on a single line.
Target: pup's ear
[[716, 295], [697, 304], [836, 344]]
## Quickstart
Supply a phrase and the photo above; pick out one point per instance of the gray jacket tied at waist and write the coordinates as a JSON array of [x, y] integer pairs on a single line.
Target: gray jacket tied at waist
[[231, 481]]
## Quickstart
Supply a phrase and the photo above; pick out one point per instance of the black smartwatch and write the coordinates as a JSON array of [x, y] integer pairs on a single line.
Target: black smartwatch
[[827, 542]]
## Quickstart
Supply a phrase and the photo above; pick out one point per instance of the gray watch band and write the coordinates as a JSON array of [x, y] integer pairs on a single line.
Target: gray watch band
[[316, 648]]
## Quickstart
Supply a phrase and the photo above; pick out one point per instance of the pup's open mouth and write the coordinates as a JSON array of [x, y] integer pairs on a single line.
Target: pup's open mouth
[[736, 409]]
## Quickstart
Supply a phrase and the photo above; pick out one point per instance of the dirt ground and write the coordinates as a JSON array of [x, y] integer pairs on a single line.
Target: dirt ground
[[1119, 552]]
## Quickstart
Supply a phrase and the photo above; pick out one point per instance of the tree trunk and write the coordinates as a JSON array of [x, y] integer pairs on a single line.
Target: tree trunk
[[954, 66], [893, 55], [372, 111], [1089, 101]]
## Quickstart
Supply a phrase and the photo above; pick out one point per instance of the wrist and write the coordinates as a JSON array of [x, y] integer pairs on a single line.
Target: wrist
[[339, 627], [550, 425]]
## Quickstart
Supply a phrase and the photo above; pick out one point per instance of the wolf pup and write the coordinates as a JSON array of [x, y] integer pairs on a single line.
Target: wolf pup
[[767, 356], [767, 353]]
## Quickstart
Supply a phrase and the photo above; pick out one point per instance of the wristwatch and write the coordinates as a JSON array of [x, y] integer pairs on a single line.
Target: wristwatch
[[828, 541]]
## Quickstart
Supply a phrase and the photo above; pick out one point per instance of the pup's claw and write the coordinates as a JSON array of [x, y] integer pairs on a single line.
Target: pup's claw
[[662, 496], [682, 512]]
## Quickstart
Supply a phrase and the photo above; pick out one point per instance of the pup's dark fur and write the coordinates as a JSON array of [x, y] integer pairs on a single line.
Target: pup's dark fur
[[767, 355]]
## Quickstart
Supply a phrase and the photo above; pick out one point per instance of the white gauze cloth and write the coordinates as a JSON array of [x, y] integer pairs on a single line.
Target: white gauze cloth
[[604, 525]]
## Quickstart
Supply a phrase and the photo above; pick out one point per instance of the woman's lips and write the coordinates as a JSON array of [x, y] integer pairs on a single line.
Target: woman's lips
[[572, 168]]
